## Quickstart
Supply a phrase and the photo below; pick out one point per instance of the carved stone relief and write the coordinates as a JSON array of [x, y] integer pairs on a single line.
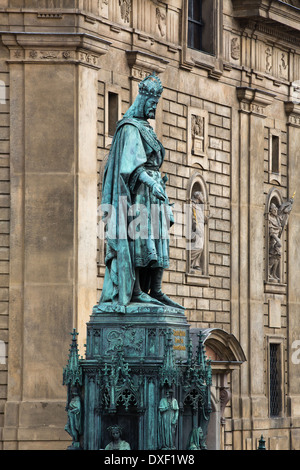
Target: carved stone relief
[[235, 48], [197, 134], [103, 8], [277, 213], [269, 60], [128, 338], [161, 21], [197, 137], [283, 65], [125, 9], [87, 58]]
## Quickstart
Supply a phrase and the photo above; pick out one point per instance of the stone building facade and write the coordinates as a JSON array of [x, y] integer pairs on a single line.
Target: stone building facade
[[229, 119]]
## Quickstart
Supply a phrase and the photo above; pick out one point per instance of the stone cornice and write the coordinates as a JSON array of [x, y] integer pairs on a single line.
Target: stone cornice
[[292, 110], [274, 12], [55, 47], [141, 63], [253, 100]]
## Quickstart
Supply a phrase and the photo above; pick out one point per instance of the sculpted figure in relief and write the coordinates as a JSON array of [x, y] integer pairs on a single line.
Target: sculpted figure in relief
[[198, 221], [161, 21], [278, 218], [125, 6]]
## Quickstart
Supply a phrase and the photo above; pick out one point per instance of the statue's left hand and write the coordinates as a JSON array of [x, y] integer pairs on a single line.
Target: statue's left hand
[[158, 192]]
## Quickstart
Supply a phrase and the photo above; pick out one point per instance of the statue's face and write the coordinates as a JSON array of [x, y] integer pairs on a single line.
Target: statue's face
[[115, 434], [273, 210], [150, 108]]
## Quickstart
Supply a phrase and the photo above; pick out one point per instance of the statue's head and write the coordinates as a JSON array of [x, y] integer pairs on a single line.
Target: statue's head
[[273, 209], [151, 87], [198, 197], [144, 106], [115, 431]]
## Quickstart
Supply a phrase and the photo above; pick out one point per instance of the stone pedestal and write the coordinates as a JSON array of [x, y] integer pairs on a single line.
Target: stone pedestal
[[135, 364]]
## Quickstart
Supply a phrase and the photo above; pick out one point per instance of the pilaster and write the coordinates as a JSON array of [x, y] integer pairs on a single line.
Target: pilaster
[[293, 239], [53, 105], [253, 104]]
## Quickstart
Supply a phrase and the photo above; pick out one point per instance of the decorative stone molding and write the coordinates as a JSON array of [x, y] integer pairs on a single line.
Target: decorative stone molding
[[276, 13], [254, 101], [272, 288], [79, 48], [142, 64], [225, 395], [293, 113], [226, 346], [54, 16]]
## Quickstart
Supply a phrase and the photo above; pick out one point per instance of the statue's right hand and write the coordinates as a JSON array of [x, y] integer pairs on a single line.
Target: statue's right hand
[[158, 192]]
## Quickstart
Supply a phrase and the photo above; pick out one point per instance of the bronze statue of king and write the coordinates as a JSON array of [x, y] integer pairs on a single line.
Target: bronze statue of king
[[136, 208]]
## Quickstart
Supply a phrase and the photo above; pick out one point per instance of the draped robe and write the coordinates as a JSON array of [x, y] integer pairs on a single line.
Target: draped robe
[[135, 148]]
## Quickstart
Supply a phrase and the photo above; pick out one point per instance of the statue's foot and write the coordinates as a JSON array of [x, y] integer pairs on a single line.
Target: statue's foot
[[164, 299], [142, 297]]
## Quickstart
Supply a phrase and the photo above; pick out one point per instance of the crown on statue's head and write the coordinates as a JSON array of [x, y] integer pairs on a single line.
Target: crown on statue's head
[[151, 86]]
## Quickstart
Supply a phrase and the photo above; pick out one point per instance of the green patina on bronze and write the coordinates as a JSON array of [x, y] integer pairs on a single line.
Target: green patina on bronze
[[132, 179], [142, 384]]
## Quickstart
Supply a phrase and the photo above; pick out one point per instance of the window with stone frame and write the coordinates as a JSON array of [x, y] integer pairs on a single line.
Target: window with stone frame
[[201, 25], [112, 111], [202, 33], [275, 156], [275, 379]]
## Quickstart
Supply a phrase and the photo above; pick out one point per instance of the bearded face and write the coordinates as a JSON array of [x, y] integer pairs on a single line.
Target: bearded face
[[150, 108]]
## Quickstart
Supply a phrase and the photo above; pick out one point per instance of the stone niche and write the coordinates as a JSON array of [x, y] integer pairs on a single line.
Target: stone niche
[[197, 226], [274, 278]]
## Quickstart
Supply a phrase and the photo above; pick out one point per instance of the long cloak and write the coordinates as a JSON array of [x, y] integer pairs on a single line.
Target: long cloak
[[127, 154]]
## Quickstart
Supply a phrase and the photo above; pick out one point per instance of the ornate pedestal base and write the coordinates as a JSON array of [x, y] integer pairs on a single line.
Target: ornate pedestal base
[[141, 378]]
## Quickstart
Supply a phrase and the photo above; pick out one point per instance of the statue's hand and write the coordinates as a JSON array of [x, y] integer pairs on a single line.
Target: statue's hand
[[158, 192]]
